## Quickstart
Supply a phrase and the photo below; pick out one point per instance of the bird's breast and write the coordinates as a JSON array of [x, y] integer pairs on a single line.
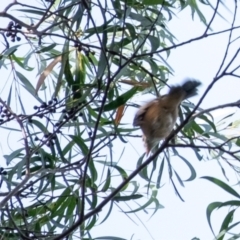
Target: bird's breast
[[162, 126]]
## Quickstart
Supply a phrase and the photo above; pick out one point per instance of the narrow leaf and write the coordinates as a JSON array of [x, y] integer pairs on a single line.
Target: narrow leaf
[[223, 185], [120, 100], [46, 72]]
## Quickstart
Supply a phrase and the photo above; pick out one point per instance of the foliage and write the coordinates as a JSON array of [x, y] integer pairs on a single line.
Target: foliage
[[92, 59]]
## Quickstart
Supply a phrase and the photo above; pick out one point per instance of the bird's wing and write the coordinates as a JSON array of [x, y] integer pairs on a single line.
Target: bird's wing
[[139, 116]]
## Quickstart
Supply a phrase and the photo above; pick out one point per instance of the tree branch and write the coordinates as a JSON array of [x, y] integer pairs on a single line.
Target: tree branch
[[233, 104]]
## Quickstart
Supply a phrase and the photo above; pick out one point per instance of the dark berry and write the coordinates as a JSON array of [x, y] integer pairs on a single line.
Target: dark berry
[[8, 34], [18, 26], [44, 105], [10, 24], [79, 48]]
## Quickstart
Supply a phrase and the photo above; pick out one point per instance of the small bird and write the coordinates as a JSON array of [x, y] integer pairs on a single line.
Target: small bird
[[158, 117]]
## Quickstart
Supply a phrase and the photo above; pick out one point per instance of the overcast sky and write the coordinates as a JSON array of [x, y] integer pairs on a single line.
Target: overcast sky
[[182, 220]]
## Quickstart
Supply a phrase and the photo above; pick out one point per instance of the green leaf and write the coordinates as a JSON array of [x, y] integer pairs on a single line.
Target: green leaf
[[211, 123], [110, 238], [105, 27], [80, 142], [59, 149], [211, 207], [58, 207], [232, 203], [120, 100], [9, 97], [37, 12], [191, 168], [93, 171], [152, 199], [92, 223], [27, 85], [79, 76], [20, 62], [179, 179], [70, 207], [122, 173], [156, 2], [131, 30], [109, 212], [143, 174], [225, 224], [155, 42], [195, 8], [48, 48], [127, 198], [107, 182], [14, 154], [160, 172], [11, 50], [103, 59], [40, 126], [223, 185]]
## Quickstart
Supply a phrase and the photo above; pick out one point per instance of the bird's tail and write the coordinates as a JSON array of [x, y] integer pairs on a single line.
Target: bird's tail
[[178, 93], [190, 87]]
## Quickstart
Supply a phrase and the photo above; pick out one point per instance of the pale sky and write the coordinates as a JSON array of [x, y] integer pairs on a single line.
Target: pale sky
[[186, 220], [182, 220]]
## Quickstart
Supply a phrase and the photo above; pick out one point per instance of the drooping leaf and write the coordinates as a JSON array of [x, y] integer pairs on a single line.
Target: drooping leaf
[[222, 185], [121, 100], [127, 198], [225, 224], [46, 72], [211, 207]]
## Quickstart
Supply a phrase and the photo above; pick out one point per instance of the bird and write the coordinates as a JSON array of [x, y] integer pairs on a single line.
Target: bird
[[158, 117]]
